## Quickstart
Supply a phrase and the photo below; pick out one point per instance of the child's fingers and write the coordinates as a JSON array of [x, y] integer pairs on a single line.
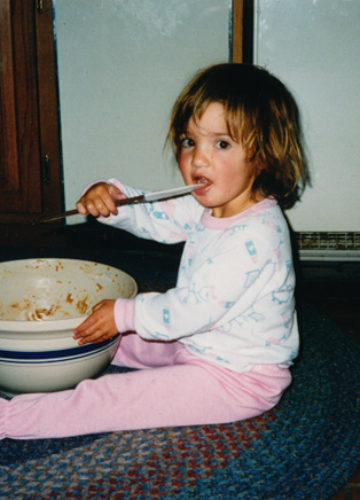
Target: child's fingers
[[81, 208], [88, 327], [86, 336], [100, 200], [98, 316], [106, 196], [97, 336], [86, 206], [99, 325], [85, 326], [90, 332], [104, 205], [97, 206], [98, 332], [115, 193]]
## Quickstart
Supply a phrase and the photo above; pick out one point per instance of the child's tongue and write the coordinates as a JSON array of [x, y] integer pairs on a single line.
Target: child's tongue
[[205, 182]]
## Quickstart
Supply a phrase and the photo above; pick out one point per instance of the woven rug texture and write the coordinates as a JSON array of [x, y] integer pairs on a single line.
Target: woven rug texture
[[305, 448]]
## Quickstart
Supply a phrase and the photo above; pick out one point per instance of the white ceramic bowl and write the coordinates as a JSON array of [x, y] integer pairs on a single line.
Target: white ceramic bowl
[[41, 302]]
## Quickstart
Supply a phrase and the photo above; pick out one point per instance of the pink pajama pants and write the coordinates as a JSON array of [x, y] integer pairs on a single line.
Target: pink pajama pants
[[171, 388]]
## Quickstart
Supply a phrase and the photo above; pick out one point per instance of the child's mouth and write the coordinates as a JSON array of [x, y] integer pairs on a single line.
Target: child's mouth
[[203, 184]]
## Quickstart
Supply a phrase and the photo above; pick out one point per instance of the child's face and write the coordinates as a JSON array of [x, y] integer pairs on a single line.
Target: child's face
[[210, 156]]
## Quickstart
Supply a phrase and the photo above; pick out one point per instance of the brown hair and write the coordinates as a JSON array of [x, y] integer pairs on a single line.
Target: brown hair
[[261, 114]]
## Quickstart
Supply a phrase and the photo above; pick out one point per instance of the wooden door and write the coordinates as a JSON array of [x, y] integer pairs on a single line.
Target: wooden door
[[30, 184]]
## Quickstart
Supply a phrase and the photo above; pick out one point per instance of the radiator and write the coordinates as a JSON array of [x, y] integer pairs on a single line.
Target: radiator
[[343, 246]]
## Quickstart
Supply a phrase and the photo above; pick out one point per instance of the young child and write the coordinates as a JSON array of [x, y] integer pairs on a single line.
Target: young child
[[216, 348]]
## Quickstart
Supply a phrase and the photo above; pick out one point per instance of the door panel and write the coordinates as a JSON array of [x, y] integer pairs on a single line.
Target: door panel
[[30, 173], [20, 189]]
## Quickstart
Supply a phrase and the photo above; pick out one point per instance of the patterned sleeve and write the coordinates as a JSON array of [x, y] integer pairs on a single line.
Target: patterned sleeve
[[163, 221]]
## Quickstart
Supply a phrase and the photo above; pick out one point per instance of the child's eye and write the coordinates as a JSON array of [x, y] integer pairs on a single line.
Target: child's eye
[[186, 142], [221, 144]]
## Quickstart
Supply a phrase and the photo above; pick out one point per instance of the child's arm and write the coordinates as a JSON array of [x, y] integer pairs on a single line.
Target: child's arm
[[164, 221], [167, 316], [219, 295]]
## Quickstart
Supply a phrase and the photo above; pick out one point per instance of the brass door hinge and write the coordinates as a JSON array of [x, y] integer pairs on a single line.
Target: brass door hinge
[[39, 6]]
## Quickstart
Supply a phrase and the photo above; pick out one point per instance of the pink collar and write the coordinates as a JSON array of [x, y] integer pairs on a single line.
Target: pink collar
[[222, 223]]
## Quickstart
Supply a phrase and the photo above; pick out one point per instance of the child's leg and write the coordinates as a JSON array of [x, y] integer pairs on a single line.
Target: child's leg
[[190, 392]]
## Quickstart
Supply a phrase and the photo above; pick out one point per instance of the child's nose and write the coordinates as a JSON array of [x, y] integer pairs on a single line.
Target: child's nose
[[200, 158]]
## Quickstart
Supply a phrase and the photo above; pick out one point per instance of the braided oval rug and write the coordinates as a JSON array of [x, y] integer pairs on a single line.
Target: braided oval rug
[[307, 447]]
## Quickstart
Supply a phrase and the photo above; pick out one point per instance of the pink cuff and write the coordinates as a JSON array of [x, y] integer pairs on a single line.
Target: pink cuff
[[124, 310]]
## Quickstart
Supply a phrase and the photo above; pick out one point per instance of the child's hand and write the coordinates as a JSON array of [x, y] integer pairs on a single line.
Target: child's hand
[[99, 326], [100, 200]]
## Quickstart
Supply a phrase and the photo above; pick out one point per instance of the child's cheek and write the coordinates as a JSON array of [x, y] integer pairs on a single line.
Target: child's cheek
[[184, 166]]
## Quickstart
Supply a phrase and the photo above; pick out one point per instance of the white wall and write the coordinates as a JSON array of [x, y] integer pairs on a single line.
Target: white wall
[[314, 46], [121, 65]]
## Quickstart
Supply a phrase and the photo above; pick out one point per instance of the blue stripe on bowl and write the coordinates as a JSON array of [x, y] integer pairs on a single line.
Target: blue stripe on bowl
[[58, 355], [37, 362]]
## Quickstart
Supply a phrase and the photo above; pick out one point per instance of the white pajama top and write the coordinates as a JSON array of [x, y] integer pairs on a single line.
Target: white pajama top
[[233, 303]]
